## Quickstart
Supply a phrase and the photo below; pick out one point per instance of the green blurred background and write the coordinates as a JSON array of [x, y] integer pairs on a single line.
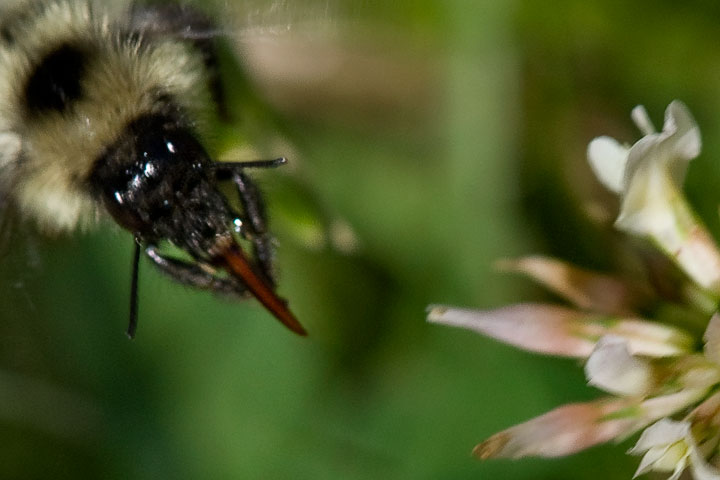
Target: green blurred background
[[426, 140]]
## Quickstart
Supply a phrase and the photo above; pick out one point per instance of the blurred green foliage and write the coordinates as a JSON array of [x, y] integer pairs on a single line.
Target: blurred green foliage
[[490, 163]]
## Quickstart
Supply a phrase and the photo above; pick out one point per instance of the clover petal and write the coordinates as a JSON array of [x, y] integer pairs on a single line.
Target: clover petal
[[652, 203], [669, 446], [586, 289], [556, 330], [613, 369], [608, 160], [562, 431]]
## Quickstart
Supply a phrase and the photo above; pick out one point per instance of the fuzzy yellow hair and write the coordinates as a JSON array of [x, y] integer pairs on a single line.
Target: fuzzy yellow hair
[[45, 159]]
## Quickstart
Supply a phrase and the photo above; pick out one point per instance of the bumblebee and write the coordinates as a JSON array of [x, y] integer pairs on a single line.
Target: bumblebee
[[102, 107]]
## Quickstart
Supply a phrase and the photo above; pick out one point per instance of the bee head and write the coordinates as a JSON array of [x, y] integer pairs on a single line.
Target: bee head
[[157, 181]]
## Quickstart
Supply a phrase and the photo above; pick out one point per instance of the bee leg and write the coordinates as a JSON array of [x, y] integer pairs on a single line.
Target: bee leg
[[254, 208], [192, 275], [226, 169], [132, 323], [185, 22]]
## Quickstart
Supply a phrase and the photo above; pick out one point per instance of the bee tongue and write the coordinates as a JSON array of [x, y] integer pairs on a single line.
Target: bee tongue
[[238, 265]]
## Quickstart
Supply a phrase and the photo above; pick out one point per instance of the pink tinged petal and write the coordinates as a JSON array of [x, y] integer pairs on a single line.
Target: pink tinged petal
[[652, 409], [562, 431], [556, 330], [535, 327], [586, 289], [699, 257], [707, 411], [608, 160], [612, 369], [712, 340]]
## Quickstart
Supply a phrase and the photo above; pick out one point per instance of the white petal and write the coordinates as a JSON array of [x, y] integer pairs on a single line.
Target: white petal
[[642, 120], [612, 368], [608, 160], [647, 207], [679, 469], [682, 142], [650, 459], [679, 121], [652, 203], [662, 432], [666, 445]]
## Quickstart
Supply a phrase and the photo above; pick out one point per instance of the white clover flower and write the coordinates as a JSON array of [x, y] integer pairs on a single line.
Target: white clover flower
[[648, 177], [669, 446], [666, 448], [639, 395], [653, 375], [620, 362]]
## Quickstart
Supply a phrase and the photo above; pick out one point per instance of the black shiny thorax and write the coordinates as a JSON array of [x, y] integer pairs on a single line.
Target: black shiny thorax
[[158, 182]]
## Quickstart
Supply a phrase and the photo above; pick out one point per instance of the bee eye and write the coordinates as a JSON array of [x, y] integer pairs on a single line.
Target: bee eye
[[158, 140], [154, 148]]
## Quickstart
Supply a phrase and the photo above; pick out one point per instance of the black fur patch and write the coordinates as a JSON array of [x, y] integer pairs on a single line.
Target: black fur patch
[[6, 35], [56, 82]]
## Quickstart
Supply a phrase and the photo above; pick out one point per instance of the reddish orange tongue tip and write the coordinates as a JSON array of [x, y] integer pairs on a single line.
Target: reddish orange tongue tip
[[238, 264]]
